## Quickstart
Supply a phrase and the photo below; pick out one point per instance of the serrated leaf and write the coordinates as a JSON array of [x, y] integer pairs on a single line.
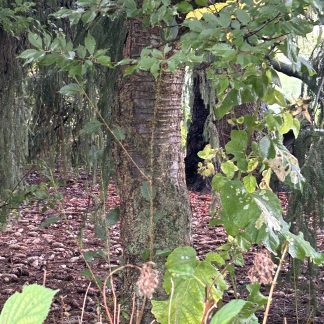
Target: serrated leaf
[[29, 307], [82, 52], [184, 7], [104, 60], [70, 89], [91, 127], [225, 19], [35, 40], [90, 44], [242, 16]]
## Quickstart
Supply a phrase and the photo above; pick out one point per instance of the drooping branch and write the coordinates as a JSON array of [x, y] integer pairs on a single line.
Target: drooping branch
[[287, 69]]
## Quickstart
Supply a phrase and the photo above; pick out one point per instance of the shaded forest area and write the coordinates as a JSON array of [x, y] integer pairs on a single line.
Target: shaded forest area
[[154, 168]]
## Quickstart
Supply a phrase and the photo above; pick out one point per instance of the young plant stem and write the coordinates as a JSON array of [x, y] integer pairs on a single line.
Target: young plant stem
[[84, 302], [170, 302], [274, 282], [296, 296], [112, 319]]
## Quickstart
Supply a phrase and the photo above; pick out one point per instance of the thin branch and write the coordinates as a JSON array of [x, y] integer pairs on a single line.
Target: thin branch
[[275, 279]]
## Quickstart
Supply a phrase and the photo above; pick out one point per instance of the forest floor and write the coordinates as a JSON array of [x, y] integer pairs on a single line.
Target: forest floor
[[32, 251]]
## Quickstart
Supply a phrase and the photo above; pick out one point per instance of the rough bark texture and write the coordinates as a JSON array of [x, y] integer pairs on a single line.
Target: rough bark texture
[[149, 110], [13, 115]]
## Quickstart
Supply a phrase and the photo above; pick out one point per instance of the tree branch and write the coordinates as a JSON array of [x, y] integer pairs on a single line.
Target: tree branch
[[288, 70]]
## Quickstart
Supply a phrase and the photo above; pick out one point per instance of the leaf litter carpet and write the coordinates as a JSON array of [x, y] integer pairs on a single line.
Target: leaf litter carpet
[[33, 253]]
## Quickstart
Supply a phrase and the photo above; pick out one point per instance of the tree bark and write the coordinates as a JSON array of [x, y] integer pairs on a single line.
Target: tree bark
[[149, 111], [13, 116]]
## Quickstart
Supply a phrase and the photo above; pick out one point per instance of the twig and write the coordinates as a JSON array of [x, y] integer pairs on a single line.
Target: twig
[[274, 282], [84, 302], [111, 319], [133, 309], [141, 312], [44, 277]]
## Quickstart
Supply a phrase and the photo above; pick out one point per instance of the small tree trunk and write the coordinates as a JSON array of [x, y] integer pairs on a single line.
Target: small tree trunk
[[13, 116], [149, 111]]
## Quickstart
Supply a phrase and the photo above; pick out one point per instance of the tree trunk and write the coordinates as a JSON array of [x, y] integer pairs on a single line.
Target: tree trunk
[[13, 116], [149, 111]]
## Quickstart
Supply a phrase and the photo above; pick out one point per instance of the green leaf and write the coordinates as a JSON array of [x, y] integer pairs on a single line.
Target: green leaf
[[229, 312], [82, 52], [147, 192], [215, 257], [266, 148], [224, 19], [90, 43], [237, 146], [239, 209], [201, 3], [70, 89], [250, 183], [51, 59], [230, 100], [254, 294], [270, 216], [218, 182], [208, 153], [35, 40], [299, 248], [131, 8], [119, 132], [229, 169], [104, 60], [252, 164], [29, 307], [113, 216], [91, 127], [187, 279], [31, 55], [242, 16], [89, 16], [288, 123], [182, 261], [184, 7], [296, 127]]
